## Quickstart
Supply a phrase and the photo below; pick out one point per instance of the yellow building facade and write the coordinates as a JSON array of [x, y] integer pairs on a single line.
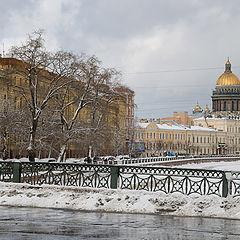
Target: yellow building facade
[[229, 126], [121, 112], [162, 139]]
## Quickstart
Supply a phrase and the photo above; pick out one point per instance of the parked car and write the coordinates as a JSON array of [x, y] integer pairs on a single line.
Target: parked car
[[110, 160]]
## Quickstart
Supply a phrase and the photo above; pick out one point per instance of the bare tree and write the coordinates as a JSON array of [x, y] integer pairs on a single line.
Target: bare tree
[[44, 75], [119, 139], [81, 103], [48, 135], [10, 118]]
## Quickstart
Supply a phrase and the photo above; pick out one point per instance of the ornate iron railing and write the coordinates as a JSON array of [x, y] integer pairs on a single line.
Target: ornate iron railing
[[66, 174], [234, 183], [6, 173], [170, 180], [157, 179]]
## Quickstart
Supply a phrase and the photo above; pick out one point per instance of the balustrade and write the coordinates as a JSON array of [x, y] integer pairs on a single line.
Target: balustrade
[[156, 179]]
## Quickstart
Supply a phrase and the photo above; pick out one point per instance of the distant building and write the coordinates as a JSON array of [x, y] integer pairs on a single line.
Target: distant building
[[165, 138], [120, 115], [197, 109], [230, 126], [226, 96], [202, 132], [180, 118]]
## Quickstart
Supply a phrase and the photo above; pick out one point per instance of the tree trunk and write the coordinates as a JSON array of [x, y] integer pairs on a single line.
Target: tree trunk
[[31, 146], [62, 154], [90, 151], [4, 152]]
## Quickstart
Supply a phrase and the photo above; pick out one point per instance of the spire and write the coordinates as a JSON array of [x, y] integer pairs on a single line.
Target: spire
[[228, 66]]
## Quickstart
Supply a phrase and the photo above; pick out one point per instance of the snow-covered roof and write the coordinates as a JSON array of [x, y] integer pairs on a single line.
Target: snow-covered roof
[[216, 118], [171, 127], [212, 118], [198, 128], [177, 127], [143, 125]]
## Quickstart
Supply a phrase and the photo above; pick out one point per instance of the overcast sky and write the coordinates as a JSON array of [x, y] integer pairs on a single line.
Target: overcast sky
[[170, 52]]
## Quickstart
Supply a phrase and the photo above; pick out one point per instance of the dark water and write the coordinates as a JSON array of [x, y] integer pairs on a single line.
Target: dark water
[[47, 224]]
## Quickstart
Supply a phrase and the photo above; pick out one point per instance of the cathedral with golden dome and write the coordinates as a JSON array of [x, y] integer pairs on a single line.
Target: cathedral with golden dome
[[226, 96], [203, 132]]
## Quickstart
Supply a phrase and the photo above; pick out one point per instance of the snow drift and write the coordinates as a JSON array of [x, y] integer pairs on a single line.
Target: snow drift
[[124, 201]]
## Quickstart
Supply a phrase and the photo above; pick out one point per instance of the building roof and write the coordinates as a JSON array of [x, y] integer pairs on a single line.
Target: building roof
[[176, 126], [142, 125]]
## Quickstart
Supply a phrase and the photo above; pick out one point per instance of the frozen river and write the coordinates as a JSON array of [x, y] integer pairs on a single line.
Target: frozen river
[[48, 224]]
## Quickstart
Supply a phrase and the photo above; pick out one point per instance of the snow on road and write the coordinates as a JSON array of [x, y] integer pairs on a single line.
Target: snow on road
[[224, 166], [124, 201]]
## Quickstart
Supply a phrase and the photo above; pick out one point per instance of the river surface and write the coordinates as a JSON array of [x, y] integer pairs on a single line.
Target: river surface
[[47, 224]]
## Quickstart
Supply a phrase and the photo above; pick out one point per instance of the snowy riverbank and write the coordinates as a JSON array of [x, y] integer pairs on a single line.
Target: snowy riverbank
[[125, 201]]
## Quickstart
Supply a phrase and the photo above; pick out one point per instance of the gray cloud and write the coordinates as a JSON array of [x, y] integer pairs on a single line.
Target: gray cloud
[[148, 40]]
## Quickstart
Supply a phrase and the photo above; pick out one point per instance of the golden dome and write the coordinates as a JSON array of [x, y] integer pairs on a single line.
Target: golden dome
[[228, 78], [206, 108], [197, 107]]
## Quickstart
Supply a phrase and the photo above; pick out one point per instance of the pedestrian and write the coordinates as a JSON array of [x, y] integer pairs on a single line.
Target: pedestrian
[[89, 160]]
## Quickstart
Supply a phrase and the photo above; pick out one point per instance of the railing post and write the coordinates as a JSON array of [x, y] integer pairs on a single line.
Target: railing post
[[16, 171], [114, 177], [224, 185]]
